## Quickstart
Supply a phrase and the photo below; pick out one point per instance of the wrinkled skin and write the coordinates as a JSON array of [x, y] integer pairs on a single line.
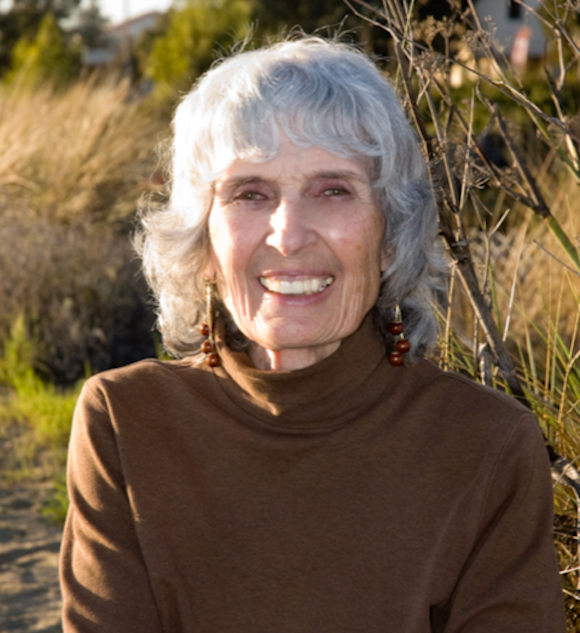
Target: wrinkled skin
[[305, 216]]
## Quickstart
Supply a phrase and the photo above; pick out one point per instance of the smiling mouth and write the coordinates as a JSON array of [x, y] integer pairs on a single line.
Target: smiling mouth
[[310, 286]]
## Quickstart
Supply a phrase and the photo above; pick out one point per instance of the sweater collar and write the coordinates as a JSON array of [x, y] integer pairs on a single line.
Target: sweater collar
[[321, 397]]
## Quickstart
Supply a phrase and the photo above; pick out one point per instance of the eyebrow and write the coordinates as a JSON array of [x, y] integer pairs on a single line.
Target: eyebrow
[[345, 173], [233, 183]]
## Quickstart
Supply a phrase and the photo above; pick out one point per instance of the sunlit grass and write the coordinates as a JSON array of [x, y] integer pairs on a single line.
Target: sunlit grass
[[35, 417], [83, 152], [534, 291]]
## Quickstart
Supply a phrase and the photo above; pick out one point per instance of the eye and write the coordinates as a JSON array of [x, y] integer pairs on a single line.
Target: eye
[[335, 191], [250, 195]]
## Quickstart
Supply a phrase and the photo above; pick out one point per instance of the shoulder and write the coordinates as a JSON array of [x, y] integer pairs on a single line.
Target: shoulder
[[144, 382], [143, 404], [476, 419], [476, 438], [457, 394], [144, 372]]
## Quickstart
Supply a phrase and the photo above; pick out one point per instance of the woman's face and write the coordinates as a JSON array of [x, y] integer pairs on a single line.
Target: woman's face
[[296, 252]]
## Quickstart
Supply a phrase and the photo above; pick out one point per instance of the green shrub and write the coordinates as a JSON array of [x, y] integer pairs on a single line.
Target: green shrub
[[46, 58], [39, 417], [189, 45], [40, 405]]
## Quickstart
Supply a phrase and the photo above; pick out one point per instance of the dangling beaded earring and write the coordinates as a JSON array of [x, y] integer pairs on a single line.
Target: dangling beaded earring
[[402, 345], [207, 329]]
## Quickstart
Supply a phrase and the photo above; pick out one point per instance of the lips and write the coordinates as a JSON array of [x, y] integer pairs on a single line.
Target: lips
[[306, 286]]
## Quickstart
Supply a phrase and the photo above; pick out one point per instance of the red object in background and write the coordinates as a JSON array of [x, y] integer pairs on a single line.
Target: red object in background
[[158, 179], [520, 48]]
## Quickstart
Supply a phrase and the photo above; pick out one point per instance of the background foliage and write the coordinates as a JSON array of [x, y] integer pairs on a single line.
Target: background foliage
[[44, 58], [187, 47]]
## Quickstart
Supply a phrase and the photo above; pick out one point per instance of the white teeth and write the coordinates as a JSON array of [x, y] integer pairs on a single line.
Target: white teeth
[[275, 285], [296, 287]]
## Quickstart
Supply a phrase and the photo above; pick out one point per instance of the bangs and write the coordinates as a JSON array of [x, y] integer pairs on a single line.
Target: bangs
[[312, 109]]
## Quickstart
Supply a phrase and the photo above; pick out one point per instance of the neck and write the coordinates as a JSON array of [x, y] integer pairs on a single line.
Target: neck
[[290, 359]]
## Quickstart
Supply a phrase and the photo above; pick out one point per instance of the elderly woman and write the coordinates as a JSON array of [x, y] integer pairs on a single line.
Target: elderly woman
[[314, 474]]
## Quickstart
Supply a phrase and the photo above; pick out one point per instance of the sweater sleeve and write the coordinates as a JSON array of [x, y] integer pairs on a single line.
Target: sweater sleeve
[[510, 583], [104, 579]]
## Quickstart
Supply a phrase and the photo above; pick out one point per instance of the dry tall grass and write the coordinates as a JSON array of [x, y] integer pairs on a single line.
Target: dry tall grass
[[81, 154], [73, 165]]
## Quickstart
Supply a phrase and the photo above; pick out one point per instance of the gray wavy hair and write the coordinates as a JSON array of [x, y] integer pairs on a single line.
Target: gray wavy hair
[[320, 93]]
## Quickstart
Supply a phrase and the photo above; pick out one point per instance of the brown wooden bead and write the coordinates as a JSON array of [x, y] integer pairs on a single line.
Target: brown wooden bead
[[403, 345], [213, 360], [395, 359], [395, 328], [204, 329], [206, 347]]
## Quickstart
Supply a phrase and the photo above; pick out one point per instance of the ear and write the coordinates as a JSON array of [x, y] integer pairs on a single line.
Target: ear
[[384, 262], [210, 269], [209, 272]]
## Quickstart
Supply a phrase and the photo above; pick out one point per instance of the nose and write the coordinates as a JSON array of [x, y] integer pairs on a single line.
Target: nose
[[290, 230]]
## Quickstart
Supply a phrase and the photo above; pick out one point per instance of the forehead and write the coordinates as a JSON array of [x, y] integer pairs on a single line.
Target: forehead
[[292, 161]]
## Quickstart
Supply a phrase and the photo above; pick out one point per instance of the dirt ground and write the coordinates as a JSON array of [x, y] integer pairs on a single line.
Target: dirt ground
[[29, 547]]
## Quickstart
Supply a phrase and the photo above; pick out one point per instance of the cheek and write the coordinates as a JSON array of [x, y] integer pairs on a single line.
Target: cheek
[[223, 242], [218, 263], [375, 245], [231, 255], [363, 246], [365, 271]]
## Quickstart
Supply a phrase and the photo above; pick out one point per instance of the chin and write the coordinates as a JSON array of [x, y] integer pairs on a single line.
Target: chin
[[280, 338]]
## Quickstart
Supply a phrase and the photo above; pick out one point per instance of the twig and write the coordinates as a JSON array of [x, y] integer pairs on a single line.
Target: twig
[[572, 270], [503, 360]]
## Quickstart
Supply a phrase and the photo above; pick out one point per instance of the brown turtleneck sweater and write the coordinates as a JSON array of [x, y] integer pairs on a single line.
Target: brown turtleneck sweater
[[347, 497]]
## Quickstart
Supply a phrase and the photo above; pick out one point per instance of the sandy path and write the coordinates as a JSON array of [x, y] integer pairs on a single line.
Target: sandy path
[[29, 546]]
